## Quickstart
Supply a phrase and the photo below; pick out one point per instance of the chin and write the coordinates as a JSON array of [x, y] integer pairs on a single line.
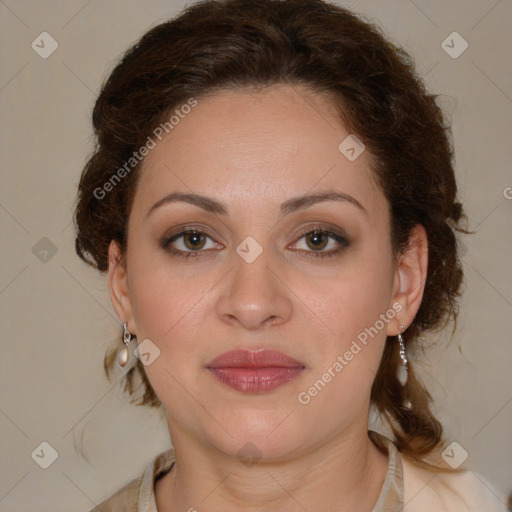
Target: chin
[[258, 435]]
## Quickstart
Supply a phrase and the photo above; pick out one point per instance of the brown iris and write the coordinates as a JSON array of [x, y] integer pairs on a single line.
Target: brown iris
[[316, 237], [196, 238]]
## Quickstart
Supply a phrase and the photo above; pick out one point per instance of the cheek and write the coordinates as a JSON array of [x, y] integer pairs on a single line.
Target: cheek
[[160, 294], [164, 303], [355, 307], [167, 312], [355, 297], [350, 352], [170, 309]]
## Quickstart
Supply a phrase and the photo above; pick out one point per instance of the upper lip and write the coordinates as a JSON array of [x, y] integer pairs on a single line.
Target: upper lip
[[253, 359]]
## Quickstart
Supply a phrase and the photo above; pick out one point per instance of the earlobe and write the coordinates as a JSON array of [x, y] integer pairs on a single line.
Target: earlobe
[[118, 285], [410, 278]]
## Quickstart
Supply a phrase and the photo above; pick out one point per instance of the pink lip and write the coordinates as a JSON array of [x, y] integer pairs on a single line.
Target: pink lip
[[254, 371]]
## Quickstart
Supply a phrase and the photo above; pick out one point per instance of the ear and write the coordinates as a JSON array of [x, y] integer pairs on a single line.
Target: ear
[[118, 284], [410, 278]]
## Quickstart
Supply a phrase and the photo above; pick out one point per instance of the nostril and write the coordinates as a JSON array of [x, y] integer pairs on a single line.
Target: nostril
[[271, 320]]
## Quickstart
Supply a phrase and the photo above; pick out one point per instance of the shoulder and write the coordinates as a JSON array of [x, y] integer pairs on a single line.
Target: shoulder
[[138, 494], [124, 500], [463, 491]]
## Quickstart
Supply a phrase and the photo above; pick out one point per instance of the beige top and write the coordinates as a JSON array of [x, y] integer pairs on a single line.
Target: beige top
[[406, 487]]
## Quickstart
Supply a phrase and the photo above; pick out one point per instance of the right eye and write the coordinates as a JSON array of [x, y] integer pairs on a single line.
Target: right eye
[[187, 242]]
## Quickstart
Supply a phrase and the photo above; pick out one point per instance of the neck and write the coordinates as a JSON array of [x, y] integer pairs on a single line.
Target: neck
[[345, 473]]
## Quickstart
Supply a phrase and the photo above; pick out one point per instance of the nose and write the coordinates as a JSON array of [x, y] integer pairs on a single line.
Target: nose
[[254, 295]]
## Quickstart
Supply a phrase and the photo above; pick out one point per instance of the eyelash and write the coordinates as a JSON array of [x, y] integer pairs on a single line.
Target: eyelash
[[166, 243]]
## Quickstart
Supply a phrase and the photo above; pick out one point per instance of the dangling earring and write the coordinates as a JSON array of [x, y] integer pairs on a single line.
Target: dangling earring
[[402, 372], [124, 353]]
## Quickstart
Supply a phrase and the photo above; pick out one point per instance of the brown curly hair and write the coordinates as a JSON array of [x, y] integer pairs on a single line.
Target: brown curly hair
[[235, 44]]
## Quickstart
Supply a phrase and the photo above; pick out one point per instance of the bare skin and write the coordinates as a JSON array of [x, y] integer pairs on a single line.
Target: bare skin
[[252, 151]]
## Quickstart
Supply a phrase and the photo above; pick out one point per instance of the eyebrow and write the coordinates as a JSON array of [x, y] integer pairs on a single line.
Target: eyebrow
[[291, 205]]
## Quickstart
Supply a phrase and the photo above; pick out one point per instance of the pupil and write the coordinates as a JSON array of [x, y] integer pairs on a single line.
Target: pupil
[[195, 238], [316, 240]]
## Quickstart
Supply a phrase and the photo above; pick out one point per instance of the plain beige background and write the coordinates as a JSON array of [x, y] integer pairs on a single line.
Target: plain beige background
[[56, 315]]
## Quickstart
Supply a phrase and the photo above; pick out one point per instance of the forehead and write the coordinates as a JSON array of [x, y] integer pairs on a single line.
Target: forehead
[[258, 145]]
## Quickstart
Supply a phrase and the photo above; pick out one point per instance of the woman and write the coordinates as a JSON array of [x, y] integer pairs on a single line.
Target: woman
[[273, 197]]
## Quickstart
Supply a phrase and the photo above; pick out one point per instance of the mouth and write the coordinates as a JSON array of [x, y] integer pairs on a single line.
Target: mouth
[[255, 371]]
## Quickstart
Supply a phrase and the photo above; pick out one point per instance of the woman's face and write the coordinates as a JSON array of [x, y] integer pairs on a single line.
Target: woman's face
[[253, 278]]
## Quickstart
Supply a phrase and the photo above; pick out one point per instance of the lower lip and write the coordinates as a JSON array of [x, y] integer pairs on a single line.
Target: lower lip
[[254, 380]]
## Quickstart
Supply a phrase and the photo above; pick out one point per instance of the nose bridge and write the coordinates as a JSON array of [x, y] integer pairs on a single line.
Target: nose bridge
[[254, 296]]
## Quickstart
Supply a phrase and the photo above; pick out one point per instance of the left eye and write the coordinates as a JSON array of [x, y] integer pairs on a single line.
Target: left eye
[[318, 240]]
